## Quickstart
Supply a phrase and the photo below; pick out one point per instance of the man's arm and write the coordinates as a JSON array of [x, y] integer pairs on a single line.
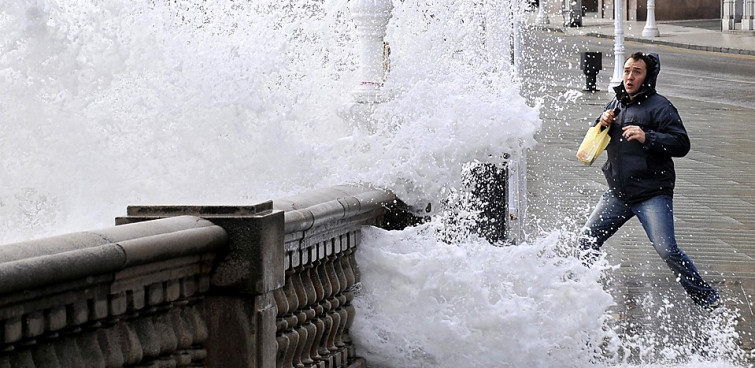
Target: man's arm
[[670, 138]]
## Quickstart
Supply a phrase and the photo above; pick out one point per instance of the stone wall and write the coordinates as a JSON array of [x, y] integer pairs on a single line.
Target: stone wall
[[268, 285], [681, 10]]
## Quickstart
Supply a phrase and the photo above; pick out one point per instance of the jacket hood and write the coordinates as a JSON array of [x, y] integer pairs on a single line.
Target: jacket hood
[[653, 71], [648, 86]]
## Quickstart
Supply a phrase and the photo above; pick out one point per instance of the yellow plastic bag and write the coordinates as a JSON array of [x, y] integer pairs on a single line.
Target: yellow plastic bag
[[596, 140]]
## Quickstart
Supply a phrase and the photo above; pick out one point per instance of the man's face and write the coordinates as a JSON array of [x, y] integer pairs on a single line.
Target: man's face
[[635, 72]]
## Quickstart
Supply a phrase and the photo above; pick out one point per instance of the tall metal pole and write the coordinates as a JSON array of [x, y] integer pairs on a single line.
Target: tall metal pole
[[618, 47], [650, 30], [371, 18], [748, 15], [542, 16], [727, 16]]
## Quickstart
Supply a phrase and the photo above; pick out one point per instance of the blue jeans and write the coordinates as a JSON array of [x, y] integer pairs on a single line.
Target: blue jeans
[[657, 218]]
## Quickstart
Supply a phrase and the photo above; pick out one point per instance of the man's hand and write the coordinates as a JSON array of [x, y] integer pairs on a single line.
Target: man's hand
[[607, 118], [633, 133]]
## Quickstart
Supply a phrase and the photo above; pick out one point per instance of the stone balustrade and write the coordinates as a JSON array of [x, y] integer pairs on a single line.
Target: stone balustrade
[[108, 298], [268, 285]]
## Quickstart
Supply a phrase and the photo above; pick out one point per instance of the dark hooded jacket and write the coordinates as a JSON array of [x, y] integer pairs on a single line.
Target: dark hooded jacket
[[634, 171]]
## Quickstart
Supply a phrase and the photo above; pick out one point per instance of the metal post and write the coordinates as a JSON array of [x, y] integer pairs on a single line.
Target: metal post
[[650, 30], [517, 198], [371, 18], [727, 16], [618, 48], [542, 16], [748, 15]]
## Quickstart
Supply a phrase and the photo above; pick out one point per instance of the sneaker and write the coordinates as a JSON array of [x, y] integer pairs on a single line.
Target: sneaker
[[710, 307]]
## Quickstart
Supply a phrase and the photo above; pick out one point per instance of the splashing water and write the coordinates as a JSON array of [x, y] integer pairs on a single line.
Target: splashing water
[[424, 302], [479, 305], [106, 105], [167, 102]]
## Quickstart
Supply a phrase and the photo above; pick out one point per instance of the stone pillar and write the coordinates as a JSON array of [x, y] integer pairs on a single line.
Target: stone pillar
[[748, 15], [727, 17], [240, 311], [245, 280], [618, 48], [650, 30]]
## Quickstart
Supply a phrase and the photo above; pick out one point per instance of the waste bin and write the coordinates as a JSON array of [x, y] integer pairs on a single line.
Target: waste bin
[[572, 13], [591, 63]]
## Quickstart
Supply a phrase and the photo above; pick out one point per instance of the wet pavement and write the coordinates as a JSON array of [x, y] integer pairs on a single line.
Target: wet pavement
[[715, 196]]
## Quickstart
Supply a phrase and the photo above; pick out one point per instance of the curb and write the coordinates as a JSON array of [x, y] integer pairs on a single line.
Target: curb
[[725, 50]]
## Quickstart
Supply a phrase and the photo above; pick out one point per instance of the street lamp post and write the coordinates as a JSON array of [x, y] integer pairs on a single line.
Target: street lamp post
[[371, 18], [748, 15], [542, 16], [618, 47], [650, 30], [727, 16]]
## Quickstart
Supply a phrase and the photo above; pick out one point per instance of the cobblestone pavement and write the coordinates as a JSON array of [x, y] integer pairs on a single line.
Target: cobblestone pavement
[[714, 201]]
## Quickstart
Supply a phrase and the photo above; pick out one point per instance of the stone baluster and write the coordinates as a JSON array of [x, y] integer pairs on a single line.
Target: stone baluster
[[281, 303], [291, 293], [342, 280], [197, 325], [91, 353], [184, 338], [343, 283], [330, 268], [352, 241], [326, 306], [168, 340], [22, 359], [292, 337], [346, 261], [69, 354], [108, 341], [318, 309], [283, 347], [309, 311], [180, 327], [45, 355], [334, 304], [301, 317], [327, 285], [348, 269], [130, 343], [148, 338]]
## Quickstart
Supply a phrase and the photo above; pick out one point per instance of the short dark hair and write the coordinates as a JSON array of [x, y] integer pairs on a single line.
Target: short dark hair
[[649, 62]]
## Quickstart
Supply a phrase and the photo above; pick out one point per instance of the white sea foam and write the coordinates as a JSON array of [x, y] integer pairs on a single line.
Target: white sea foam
[[425, 302]]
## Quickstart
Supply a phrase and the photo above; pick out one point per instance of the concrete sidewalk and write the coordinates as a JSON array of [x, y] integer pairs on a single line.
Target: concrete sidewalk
[[695, 35]]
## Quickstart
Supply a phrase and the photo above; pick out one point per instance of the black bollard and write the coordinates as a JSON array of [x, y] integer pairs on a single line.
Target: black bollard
[[488, 184], [591, 63]]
